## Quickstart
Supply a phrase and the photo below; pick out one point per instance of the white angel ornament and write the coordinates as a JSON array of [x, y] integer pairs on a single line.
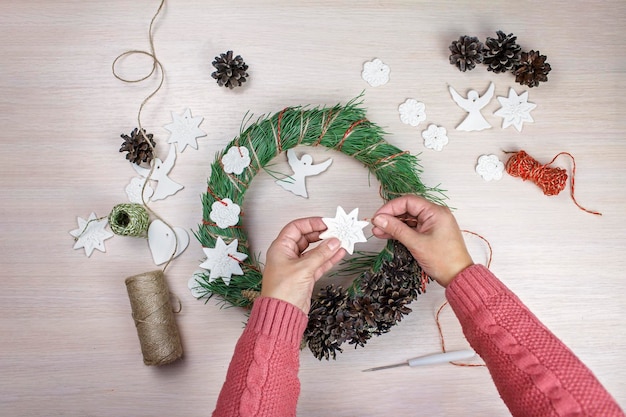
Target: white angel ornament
[[302, 168], [166, 186], [473, 104]]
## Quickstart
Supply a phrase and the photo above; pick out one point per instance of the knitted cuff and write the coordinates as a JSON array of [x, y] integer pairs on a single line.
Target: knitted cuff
[[472, 288], [277, 318]]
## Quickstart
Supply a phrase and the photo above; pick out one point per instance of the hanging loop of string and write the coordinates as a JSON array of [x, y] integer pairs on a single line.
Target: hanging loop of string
[[157, 69], [445, 303]]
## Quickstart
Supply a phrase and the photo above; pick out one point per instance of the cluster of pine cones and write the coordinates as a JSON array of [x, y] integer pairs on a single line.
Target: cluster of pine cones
[[337, 317], [501, 54]]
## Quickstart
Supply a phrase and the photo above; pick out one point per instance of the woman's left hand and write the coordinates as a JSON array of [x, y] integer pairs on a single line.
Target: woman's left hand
[[291, 273]]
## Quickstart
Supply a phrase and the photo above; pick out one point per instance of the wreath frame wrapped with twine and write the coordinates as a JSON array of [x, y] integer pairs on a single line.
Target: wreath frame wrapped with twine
[[337, 315]]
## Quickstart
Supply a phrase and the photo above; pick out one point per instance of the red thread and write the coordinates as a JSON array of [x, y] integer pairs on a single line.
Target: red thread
[[349, 132], [208, 189], [280, 118], [389, 158], [445, 303], [325, 127], [237, 259], [208, 223], [551, 180]]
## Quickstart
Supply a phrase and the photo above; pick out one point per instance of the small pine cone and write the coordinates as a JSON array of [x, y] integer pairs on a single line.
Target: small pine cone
[[502, 54], [532, 69], [466, 52], [137, 146], [231, 72]]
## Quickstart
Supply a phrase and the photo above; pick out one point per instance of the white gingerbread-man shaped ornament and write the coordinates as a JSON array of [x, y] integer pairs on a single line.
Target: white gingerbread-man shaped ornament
[[474, 121], [166, 186], [302, 168]]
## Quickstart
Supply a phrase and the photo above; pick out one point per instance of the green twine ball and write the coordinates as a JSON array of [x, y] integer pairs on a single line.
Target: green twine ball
[[129, 219]]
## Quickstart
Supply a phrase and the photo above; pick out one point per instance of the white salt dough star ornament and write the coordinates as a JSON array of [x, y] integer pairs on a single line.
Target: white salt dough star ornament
[[223, 260], [435, 137], [225, 213], [302, 168], [236, 160], [345, 227], [185, 130], [474, 121], [515, 110], [490, 167], [412, 112], [375, 73], [166, 186], [91, 234]]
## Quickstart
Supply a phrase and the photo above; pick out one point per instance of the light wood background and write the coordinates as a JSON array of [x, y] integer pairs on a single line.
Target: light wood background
[[68, 345]]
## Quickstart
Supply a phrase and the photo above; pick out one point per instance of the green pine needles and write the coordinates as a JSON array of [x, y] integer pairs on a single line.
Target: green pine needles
[[341, 127]]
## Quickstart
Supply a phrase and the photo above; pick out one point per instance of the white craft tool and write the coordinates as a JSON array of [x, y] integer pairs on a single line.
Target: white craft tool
[[457, 355]]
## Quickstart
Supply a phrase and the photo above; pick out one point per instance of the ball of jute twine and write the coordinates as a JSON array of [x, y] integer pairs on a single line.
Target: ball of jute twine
[[154, 318], [129, 219]]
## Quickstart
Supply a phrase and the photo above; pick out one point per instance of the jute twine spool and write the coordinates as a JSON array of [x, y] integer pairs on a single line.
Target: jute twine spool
[[154, 318], [129, 220]]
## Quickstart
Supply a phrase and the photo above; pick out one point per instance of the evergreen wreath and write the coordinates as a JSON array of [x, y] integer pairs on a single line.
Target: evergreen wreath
[[385, 282]]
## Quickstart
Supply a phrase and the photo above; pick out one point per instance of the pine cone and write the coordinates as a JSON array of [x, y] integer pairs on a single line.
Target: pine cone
[[231, 72], [532, 69], [502, 54], [466, 52], [138, 148]]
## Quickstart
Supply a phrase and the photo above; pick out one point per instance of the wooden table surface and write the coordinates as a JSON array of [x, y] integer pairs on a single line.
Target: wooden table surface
[[68, 346]]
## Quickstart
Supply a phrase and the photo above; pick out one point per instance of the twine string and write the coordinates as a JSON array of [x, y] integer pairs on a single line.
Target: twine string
[[154, 318], [551, 180], [129, 220], [157, 67]]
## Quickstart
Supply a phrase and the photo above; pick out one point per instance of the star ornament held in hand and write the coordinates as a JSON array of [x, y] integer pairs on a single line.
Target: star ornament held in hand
[[223, 260], [91, 234], [345, 227], [515, 110], [185, 130]]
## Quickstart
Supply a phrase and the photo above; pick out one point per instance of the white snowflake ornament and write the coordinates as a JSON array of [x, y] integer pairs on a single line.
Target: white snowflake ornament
[[225, 213], [345, 227], [185, 130], [375, 73], [133, 190], [515, 110], [490, 167], [236, 160], [435, 137], [412, 112], [91, 234], [223, 260], [197, 290]]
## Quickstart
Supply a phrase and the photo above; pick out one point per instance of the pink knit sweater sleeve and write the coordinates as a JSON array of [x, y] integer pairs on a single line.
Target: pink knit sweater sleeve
[[262, 378], [534, 372]]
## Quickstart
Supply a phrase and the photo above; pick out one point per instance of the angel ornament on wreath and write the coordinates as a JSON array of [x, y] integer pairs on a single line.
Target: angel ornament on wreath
[[378, 297]]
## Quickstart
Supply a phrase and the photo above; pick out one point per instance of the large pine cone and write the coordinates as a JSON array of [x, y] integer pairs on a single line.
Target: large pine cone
[[231, 72], [466, 52], [137, 146], [532, 69], [502, 54]]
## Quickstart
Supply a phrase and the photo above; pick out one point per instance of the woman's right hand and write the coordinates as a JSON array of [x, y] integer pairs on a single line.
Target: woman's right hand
[[429, 231]]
